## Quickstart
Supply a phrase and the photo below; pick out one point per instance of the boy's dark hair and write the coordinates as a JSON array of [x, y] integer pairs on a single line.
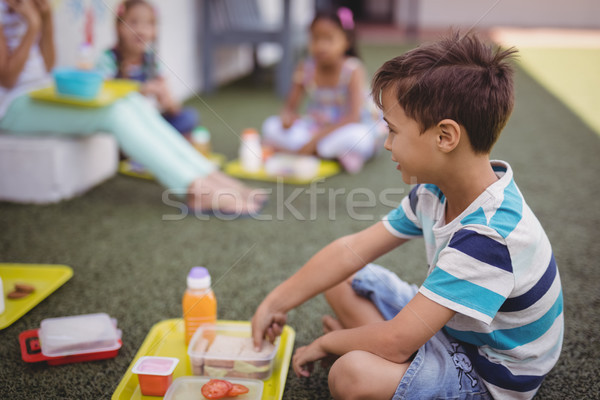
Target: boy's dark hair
[[333, 15], [460, 78]]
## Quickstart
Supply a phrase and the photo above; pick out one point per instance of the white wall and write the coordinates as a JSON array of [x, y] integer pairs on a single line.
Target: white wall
[[488, 13], [178, 44]]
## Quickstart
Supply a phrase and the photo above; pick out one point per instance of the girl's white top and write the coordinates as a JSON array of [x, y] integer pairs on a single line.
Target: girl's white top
[[34, 74]]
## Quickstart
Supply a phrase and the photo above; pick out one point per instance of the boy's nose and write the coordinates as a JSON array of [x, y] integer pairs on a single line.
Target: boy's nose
[[388, 143]]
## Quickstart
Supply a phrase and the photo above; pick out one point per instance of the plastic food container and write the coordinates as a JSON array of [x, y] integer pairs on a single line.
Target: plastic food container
[[298, 166], [76, 82], [155, 374], [189, 388], [226, 350], [80, 334]]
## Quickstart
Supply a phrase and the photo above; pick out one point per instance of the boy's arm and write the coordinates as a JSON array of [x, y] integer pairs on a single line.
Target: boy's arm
[[395, 340], [330, 266]]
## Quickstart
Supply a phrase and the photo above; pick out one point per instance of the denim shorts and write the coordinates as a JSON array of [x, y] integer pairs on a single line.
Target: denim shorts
[[440, 368]]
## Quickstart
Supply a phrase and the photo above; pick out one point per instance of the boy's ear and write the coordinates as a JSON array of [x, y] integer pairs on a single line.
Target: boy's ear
[[448, 135]]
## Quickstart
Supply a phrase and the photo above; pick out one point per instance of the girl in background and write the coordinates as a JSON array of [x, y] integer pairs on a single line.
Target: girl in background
[[132, 58], [26, 58], [339, 122]]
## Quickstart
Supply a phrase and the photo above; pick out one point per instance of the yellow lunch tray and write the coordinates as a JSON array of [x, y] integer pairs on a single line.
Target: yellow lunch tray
[[111, 91], [166, 339], [126, 167], [326, 169], [46, 278]]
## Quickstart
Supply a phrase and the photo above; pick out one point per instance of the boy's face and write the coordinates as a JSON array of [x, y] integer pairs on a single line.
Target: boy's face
[[411, 149]]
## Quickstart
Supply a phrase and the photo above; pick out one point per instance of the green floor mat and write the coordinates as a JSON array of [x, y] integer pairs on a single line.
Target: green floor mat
[[570, 74]]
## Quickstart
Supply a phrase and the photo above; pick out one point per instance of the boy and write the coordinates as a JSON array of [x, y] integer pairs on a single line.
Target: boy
[[487, 322]]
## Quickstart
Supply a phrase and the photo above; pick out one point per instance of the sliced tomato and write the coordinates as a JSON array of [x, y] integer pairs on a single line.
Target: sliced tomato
[[216, 389], [237, 389]]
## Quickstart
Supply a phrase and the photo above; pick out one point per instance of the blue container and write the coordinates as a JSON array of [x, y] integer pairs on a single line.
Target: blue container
[[84, 84]]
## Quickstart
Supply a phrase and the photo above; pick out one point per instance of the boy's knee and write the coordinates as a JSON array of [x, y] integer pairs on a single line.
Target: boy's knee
[[346, 377]]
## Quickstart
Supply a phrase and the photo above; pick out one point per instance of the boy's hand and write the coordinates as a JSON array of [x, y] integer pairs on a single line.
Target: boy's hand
[[266, 323], [304, 358]]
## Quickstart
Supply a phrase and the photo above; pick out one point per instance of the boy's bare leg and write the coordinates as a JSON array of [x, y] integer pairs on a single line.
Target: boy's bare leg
[[351, 310], [363, 375]]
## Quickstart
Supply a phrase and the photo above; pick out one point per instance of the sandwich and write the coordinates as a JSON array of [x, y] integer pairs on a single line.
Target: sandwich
[[234, 357]]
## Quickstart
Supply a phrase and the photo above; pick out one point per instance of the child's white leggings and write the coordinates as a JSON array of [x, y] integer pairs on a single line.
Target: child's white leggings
[[351, 138]]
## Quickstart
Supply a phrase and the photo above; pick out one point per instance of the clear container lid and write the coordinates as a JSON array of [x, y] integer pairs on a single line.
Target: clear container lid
[[154, 365], [229, 341], [79, 334], [190, 387]]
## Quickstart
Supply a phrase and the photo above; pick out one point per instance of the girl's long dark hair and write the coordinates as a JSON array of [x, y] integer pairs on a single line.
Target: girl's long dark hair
[[333, 16]]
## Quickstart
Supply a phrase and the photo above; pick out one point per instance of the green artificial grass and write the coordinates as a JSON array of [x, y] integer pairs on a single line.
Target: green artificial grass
[[130, 254], [571, 74]]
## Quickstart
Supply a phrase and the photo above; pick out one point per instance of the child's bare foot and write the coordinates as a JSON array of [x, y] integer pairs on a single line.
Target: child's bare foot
[[330, 324], [216, 194], [256, 195]]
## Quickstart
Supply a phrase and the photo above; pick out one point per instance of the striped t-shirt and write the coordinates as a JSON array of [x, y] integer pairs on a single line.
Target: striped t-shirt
[[494, 266]]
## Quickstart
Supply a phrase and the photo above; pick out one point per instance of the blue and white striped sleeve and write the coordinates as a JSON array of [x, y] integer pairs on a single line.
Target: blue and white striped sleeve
[[403, 222], [473, 275]]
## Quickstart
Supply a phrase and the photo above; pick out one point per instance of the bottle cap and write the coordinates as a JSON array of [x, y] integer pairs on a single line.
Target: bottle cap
[[201, 134], [249, 132], [198, 278]]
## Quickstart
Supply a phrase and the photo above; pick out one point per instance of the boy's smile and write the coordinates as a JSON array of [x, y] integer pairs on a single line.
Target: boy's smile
[[411, 149]]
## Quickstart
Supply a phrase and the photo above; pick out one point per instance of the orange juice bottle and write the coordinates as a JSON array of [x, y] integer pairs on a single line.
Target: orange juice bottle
[[199, 302]]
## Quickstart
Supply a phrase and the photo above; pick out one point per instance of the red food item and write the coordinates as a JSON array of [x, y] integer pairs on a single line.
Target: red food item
[[216, 389], [237, 389]]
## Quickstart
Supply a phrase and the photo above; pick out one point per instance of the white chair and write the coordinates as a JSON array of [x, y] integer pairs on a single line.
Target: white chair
[[47, 169]]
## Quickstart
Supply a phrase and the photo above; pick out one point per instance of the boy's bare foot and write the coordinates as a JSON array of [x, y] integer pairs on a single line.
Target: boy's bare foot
[[330, 324], [218, 194]]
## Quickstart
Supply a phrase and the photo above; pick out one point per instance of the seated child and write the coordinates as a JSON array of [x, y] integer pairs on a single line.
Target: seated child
[[26, 58], [132, 59], [488, 320], [339, 124]]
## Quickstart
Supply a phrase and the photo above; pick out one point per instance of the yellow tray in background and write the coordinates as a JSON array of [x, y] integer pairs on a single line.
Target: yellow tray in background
[[111, 91], [46, 278], [326, 169], [126, 167], [166, 339]]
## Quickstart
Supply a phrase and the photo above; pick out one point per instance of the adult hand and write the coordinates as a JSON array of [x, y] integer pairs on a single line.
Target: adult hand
[[28, 10], [304, 358], [266, 323]]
